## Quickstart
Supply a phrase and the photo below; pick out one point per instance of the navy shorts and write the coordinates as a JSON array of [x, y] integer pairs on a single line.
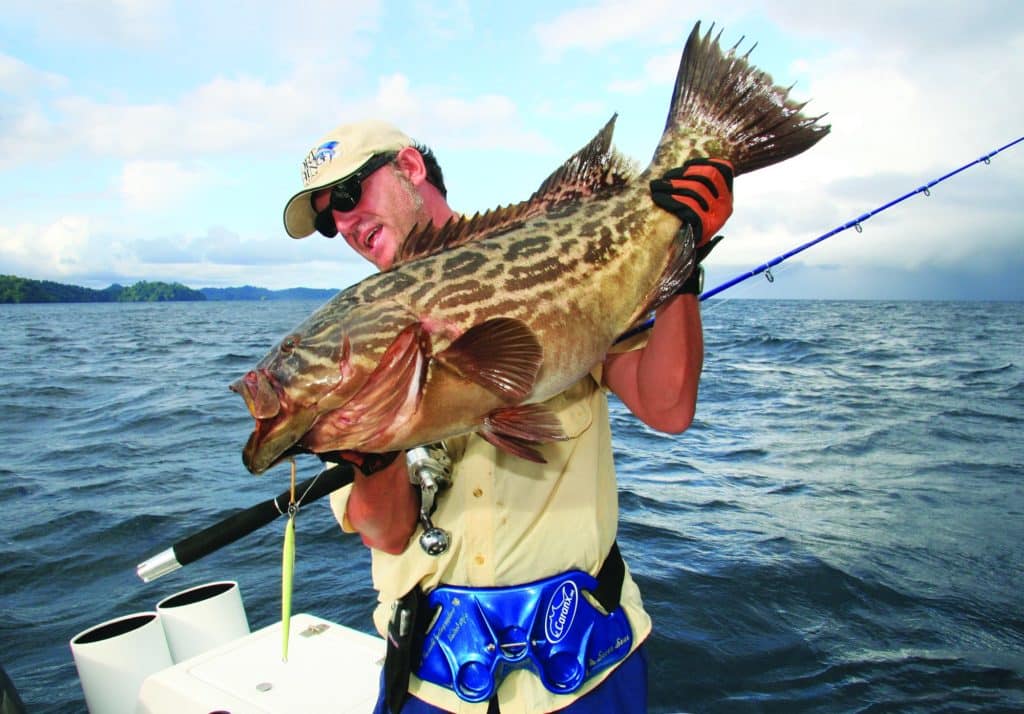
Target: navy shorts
[[624, 691]]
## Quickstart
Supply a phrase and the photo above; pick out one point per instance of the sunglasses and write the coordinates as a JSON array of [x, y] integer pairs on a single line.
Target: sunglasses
[[345, 194]]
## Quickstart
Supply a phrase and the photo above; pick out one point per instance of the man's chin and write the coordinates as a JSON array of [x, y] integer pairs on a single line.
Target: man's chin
[[383, 258]]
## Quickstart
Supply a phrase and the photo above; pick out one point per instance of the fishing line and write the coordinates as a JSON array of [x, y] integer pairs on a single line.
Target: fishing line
[[856, 223]]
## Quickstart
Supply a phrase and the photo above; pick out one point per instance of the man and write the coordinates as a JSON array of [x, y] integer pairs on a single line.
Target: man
[[512, 522]]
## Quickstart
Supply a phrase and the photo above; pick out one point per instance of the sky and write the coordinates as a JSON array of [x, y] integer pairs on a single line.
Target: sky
[[160, 139]]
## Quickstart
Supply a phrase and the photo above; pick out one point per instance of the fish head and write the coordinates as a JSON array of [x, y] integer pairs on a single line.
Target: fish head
[[315, 369]]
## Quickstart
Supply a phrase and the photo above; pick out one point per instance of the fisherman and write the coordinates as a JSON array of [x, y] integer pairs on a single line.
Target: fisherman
[[512, 522]]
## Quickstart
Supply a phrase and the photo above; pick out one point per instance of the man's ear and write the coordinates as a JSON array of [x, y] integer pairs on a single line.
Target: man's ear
[[410, 163]]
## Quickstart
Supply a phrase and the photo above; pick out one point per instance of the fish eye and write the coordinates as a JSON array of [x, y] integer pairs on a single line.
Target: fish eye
[[289, 343]]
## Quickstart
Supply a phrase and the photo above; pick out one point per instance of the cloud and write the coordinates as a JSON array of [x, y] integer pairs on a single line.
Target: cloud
[[73, 249], [95, 22], [594, 27], [157, 186], [444, 20], [483, 121], [59, 247], [219, 117], [658, 71], [19, 79], [228, 110]]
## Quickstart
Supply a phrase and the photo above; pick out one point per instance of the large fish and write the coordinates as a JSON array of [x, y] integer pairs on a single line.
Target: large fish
[[486, 318]]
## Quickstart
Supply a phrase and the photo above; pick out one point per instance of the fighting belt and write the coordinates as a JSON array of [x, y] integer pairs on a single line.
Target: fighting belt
[[479, 635]]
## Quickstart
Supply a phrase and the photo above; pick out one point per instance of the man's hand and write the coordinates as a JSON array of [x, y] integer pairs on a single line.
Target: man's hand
[[699, 193]]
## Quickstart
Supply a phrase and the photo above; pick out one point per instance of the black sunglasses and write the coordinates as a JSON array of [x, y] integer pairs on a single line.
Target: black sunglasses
[[345, 194]]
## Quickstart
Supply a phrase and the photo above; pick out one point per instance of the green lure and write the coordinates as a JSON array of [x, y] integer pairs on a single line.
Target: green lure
[[288, 571]]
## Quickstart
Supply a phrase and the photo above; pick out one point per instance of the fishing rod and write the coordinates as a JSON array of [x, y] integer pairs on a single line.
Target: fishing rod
[[856, 223], [242, 523]]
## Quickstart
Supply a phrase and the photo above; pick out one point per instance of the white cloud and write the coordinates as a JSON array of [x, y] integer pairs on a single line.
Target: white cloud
[[99, 22], [594, 27], [483, 121], [18, 78], [157, 186], [444, 20], [59, 247], [659, 71]]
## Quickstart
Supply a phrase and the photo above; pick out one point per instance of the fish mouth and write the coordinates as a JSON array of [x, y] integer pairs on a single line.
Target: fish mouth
[[261, 392], [279, 425]]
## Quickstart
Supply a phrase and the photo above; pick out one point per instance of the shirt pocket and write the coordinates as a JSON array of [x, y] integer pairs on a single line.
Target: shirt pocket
[[573, 409]]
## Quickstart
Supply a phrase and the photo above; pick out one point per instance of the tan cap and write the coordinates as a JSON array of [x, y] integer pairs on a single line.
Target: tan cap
[[337, 156]]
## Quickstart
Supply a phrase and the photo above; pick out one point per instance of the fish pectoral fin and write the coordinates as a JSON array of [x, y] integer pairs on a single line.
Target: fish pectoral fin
[[502, 355], [516, 429]]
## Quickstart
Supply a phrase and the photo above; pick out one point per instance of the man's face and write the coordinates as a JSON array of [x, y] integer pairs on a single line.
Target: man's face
[[387, 211]]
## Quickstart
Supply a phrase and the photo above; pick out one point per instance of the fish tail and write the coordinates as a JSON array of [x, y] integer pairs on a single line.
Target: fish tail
[[725, 107]]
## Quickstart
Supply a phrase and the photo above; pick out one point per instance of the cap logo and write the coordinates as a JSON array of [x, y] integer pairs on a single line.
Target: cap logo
[[315, 159]]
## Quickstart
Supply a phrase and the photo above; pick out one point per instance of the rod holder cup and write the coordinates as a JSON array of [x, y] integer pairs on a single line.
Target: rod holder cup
[[114, 657], [203, 617]]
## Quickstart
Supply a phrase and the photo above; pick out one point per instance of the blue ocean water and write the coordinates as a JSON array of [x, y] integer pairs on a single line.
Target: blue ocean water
[[841, 530]]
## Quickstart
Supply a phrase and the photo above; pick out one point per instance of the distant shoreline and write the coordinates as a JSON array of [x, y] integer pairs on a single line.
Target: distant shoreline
[[14, 289]]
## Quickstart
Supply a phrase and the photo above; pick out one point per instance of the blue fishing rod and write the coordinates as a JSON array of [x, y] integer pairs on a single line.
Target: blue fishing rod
[[856, 223]]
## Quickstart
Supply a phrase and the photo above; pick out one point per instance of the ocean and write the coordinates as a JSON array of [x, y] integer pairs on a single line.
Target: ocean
[[841, 530]]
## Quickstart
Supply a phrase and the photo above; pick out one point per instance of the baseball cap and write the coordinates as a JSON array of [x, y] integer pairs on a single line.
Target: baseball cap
[[335, 157]]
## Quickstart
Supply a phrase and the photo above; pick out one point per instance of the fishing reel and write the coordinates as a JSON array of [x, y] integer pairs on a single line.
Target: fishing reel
[[430, 468]]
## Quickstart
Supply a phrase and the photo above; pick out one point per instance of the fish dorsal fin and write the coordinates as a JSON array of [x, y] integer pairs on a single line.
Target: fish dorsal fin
[[502, 355], [594, 170]]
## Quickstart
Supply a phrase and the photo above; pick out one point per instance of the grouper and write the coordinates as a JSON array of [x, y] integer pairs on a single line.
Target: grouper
[[482, 320]]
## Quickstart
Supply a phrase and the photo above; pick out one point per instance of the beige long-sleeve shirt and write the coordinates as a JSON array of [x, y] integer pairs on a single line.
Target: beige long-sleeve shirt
[[513, 522]]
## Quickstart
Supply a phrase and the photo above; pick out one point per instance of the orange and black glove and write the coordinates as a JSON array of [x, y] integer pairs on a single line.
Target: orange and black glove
[[699, 193]]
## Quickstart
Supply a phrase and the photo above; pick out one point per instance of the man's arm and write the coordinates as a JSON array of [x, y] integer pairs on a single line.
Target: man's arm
[[658, 383], [383, 507]]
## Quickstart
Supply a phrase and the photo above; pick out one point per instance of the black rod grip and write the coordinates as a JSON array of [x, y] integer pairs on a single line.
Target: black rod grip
[[245, 522]]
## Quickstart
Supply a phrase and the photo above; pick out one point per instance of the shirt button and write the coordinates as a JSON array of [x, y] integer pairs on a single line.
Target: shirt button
[[478, 492], [479, 559]]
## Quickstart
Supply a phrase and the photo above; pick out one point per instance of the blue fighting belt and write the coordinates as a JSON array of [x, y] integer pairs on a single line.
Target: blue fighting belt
[[482, 634]]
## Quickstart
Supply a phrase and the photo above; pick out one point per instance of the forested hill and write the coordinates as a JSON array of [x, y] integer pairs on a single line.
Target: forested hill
[[249, 292], [17, 290]]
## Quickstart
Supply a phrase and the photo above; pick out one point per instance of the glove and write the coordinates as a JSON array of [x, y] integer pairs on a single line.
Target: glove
[[700, 194], [368, 464]]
